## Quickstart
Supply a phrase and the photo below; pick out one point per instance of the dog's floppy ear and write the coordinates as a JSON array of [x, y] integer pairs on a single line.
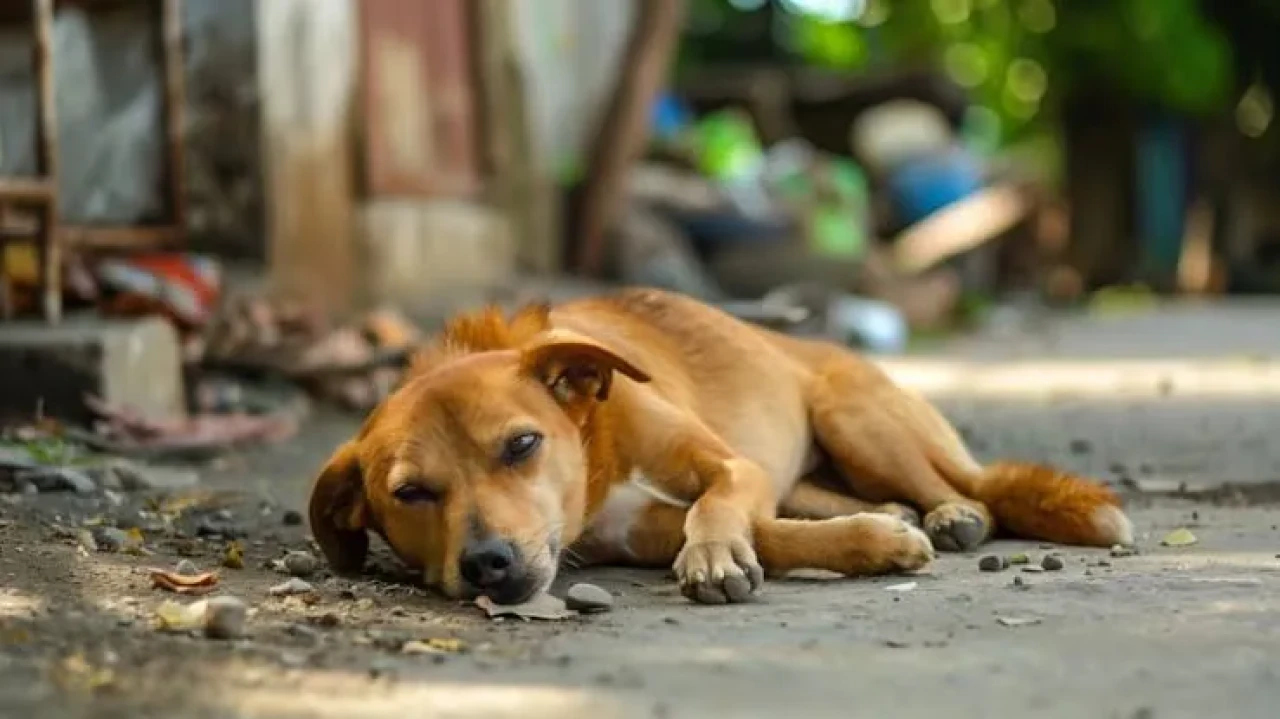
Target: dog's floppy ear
[[575, 368], [338, 512]]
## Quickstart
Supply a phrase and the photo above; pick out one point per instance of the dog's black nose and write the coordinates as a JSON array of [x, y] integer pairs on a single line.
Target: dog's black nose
[[488, 563]]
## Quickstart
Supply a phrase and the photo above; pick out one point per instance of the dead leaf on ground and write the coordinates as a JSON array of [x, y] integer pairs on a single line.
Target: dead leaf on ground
[[433, 646], [174, 616], [543, 606], [194, 584], [1181, 537], [233, 557], [75, 673]]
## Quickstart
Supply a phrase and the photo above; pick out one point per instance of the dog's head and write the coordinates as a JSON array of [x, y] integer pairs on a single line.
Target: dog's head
[[474, 469]]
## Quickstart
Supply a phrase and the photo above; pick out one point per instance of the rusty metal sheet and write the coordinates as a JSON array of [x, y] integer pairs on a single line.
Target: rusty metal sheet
[[418, 111]]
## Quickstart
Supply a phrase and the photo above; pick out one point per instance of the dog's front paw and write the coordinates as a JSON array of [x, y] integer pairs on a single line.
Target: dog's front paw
[[718, 571]]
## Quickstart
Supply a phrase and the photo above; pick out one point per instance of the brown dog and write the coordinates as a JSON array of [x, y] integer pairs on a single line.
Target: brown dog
[[649, 429]]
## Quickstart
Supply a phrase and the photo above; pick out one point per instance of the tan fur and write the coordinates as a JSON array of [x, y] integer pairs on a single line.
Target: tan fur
[[674, 435]]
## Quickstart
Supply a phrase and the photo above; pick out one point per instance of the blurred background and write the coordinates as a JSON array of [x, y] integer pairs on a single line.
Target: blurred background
[[298, 188]]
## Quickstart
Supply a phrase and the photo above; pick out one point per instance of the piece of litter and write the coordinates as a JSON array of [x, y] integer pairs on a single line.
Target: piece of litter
[[904, 587], [1018, 621], [1181, 537], [194, 584], [543, 606]]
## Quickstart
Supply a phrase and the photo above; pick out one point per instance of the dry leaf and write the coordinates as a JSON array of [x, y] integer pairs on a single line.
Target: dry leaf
[[1179, 538], [233, 557], [174, 616], [75, 673], [433, 646], [194, 584], [543, 606]]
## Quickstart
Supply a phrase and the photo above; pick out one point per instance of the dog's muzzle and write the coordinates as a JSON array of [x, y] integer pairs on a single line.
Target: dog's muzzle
[[497, 569]]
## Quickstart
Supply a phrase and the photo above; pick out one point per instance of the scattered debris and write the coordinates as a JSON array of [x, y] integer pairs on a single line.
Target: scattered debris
[[1032, 569], [1018, 621], [902, 588], [290, 588], [194, 584], [992, 563], [224, 617], [543, 606], [125, 432], [112, 539], [1019, 558], [1052, 563], [1181, 537], [233, 555], [588, 598], [186, 568], [291, 518], [85, 539], [300, 564], [1120, 550], [1018, 583]]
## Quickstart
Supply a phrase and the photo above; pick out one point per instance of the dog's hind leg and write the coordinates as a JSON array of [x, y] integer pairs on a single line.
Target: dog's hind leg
[[810, 500], [878, 438]]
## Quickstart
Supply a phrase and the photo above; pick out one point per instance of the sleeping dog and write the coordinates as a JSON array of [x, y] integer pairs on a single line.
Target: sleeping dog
[[648, 429]]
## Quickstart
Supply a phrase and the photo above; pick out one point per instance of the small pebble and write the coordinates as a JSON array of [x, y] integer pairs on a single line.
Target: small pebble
[[187, 568], [992, 563], [225, 617], [1032, 569], [1120, 550], [300, 564], [1052, 563], [1081, 446], [1018, 583], [291, 587], [291, 518], [588, 598]]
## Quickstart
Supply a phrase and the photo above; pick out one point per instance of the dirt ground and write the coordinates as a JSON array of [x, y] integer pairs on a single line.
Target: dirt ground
[[1171, 632]]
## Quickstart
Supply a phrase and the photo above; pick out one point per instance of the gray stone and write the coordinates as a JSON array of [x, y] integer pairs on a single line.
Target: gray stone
[[225, 618], [588, 598], [137, 363], [59, 479], [110, 539], [291, 587], [300, 564]]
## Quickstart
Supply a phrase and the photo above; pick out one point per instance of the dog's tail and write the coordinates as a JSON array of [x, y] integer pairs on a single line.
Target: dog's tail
[[1037, 502]]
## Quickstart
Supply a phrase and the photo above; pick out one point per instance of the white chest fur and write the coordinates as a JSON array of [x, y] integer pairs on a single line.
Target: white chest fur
[[624, 507]]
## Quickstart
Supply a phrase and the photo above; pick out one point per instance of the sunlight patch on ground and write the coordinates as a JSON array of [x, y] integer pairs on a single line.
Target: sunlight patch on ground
[[1093, 379], [15, 604], [437, 699]]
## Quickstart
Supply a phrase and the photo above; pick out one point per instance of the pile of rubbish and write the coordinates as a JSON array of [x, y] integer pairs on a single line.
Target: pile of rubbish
[[792, 236]]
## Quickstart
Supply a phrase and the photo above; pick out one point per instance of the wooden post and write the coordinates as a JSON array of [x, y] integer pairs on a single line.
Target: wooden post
[[625, 129], [307, 60], [528, 200], [47, 163]]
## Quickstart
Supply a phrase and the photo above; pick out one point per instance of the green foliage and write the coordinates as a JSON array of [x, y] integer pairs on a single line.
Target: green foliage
[[1017, 57]]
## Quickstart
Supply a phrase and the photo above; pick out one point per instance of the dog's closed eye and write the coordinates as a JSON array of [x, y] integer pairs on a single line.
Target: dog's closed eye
[[520, 447], [409, 493]]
